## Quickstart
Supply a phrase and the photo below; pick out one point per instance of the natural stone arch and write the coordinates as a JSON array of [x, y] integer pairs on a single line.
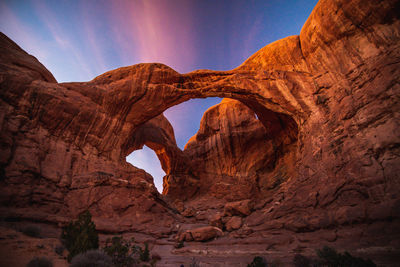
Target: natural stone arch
[[184, 177], [274, 79], [276, 88], [158, 135], [141, 92]]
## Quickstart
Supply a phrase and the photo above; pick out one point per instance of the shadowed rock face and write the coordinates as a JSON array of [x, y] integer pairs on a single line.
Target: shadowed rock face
[[328, 109]]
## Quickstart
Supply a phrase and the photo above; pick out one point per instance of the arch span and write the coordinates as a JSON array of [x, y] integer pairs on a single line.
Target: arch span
[[278, 91], [141, 92], [126, 98], [234, 155]]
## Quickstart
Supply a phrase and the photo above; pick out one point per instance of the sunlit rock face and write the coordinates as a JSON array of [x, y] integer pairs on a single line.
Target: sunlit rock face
[[52, 165], [327, 130], [236, 156]]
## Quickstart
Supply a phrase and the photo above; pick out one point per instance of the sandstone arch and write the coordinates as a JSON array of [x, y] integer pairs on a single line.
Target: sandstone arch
[[158, 135], [232, 149], [165, 88]]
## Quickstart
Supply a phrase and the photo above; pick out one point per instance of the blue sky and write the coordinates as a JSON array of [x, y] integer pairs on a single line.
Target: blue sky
[[78, 40]]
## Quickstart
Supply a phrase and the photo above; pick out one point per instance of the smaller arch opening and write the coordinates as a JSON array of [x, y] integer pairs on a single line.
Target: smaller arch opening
[[156, 146], [147, 160]]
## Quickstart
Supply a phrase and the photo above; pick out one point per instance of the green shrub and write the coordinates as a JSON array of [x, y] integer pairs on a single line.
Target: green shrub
[[80, 236], [145, 254], [301, 261], [91, 258], [32, 231], [257, 262], [194, 263], [122, 252], [276, 263], [59, 249], [155, 257], [329, 257], [181, 244], [40, 262]]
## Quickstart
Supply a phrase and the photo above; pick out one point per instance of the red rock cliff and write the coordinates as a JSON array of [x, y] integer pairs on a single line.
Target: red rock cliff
[[236, 156]]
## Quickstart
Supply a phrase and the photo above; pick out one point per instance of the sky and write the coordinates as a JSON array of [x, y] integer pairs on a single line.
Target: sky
[[79, 40]]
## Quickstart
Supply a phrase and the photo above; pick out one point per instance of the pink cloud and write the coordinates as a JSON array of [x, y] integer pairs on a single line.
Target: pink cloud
[[155, 31], [91, 38]]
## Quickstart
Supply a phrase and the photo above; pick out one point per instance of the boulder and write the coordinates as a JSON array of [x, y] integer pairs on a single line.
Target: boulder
[[233, 223], [240, 208], [205, 233]]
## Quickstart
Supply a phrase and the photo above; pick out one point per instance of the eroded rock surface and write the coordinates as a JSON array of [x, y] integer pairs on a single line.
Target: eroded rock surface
[[236, 156], [328, 99]]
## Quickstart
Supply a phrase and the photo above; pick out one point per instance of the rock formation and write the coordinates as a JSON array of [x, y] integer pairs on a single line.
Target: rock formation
[[321, 163], [236, 156]]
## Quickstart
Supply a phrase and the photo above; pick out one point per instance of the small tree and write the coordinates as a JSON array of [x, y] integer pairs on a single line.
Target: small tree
[[330, 257], [32, 231], [80, 236], [301, 261], [40, 262], [257, 262], [122, 252], [194, 263], [145, 254]]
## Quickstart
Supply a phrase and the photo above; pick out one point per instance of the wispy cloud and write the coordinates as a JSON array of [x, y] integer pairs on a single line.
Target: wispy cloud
[[61, 36], [94, 27], [20, 32], [155, 31], [96, 48], [251, 37]]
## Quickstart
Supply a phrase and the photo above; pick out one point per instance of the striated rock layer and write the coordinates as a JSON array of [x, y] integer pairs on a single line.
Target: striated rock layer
[[236, 157], [320, 165]]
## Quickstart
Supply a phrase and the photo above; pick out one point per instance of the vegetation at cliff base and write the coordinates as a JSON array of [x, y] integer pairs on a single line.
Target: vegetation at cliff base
[[40, 262], [80, 236], [92, 258], [122, 252], [32, 231], [257, 262], [331, 258]]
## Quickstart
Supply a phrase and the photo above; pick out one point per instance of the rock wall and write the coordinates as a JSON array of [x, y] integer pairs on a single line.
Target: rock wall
[[49, 167], [335, 87], [236, 156]]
